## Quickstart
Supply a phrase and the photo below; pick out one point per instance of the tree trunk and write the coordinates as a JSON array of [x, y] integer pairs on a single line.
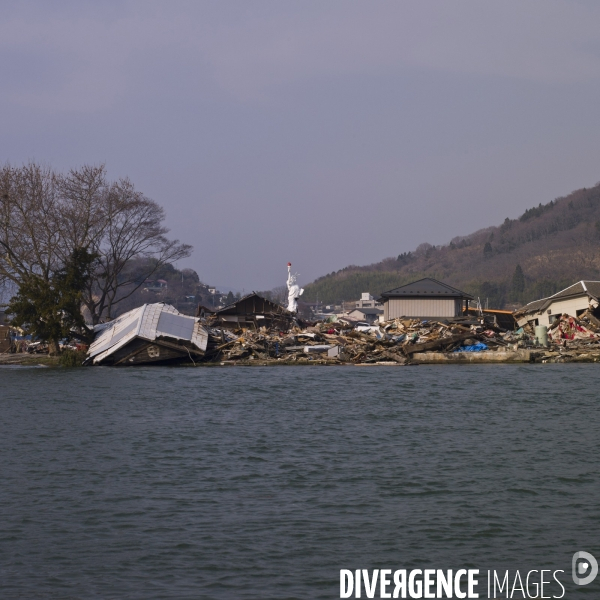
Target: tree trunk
[[53, 348]]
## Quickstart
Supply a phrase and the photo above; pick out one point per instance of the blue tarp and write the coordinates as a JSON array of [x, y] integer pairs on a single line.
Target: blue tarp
[[474, 348]]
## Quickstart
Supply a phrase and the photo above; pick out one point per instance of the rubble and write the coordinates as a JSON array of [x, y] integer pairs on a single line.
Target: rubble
[[397, 342], [404, 341], [393, 342], [155, 333], [570, 339]]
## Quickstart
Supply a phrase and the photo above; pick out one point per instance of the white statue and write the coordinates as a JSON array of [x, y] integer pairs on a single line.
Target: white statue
[[294, 290]]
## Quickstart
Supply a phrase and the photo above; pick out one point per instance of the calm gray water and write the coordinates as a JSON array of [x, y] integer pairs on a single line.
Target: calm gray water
[[259, 483]]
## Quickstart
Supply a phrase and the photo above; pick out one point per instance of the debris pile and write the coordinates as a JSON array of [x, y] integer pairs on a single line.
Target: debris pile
[[572, 329], [570, 339], [402, 342], [393, 342], [158, 333]]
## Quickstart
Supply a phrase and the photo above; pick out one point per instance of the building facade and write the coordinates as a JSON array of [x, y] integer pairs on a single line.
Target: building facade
[[367, 315], [367, 301], [424, 299]]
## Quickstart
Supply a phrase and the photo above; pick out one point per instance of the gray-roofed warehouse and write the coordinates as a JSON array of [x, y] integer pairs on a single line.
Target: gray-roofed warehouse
[[425, 298]]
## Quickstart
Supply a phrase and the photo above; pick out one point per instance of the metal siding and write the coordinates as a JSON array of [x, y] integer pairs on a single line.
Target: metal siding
[[178, 326], [420, 307]]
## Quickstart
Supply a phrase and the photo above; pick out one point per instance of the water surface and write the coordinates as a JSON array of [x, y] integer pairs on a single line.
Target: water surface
[[259, 483]]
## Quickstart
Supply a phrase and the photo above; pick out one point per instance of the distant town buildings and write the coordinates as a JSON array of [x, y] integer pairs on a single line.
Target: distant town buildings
[[158, 285], [366, 315], [367, 301]]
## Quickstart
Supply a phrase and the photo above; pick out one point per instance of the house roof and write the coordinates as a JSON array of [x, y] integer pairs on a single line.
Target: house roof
[[368, 311], [265, 305], [536, 305], [591, 288], [581, 288], [426, 288]]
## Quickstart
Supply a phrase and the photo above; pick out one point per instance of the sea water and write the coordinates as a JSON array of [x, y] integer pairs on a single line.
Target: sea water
[[264, 482]]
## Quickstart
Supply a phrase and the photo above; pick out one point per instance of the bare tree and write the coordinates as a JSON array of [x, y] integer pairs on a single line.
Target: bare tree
[[44, 216], [30, 232], [82, 212], [279, 294], [133, 229]]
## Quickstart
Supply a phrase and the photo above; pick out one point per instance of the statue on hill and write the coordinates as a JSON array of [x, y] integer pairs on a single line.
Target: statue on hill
[[294, 290]]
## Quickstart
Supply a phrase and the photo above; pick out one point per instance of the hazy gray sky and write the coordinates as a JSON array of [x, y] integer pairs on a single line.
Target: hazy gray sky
[[321, 132]]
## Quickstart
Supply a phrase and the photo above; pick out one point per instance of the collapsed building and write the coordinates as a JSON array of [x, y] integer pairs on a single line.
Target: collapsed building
[[575, 300], [253, 311], [149, 334]]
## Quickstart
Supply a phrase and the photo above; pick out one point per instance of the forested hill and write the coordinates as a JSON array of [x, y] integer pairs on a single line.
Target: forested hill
[[546, 249]]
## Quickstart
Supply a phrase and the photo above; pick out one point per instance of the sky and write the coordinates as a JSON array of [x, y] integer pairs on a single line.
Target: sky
[[321, 133]]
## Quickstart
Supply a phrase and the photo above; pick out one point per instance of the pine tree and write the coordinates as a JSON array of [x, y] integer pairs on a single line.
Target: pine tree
[[518, 281], [50, 309]]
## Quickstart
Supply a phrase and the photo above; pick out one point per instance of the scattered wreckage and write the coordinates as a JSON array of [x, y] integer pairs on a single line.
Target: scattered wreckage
[[403, 341], [157, 333], [397, 342]]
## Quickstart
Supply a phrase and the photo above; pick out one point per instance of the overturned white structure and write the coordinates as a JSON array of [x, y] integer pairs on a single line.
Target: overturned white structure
[[150, 333]]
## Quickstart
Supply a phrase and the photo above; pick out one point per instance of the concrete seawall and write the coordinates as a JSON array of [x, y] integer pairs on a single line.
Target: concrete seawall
[[512, 356]]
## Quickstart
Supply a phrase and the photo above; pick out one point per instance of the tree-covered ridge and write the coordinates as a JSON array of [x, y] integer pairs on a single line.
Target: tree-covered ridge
[[547, 248]]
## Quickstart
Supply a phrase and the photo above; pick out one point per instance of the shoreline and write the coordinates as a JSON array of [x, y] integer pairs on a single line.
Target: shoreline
[[524, 356], [28, 360]]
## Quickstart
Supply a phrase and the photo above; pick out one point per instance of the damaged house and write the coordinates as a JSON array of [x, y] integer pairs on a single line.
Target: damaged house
[[253, 312], [574, 301], [148, 334]]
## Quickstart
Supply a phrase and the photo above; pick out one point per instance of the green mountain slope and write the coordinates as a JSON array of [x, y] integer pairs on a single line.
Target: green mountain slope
[[554, 244]]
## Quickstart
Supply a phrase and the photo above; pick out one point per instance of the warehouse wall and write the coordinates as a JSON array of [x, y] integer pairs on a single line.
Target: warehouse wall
[[421, 307]]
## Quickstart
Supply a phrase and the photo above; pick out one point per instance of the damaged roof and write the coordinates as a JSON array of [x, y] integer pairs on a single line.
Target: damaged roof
[[148, 322], [581, 288], [368, 311], [258, 304], [591, 288]]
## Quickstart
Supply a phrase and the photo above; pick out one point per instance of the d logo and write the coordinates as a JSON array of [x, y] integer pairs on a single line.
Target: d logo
[[584, 564]]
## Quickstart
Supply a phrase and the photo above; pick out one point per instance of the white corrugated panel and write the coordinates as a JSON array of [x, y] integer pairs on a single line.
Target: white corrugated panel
[[118, 333], [420, 307]]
